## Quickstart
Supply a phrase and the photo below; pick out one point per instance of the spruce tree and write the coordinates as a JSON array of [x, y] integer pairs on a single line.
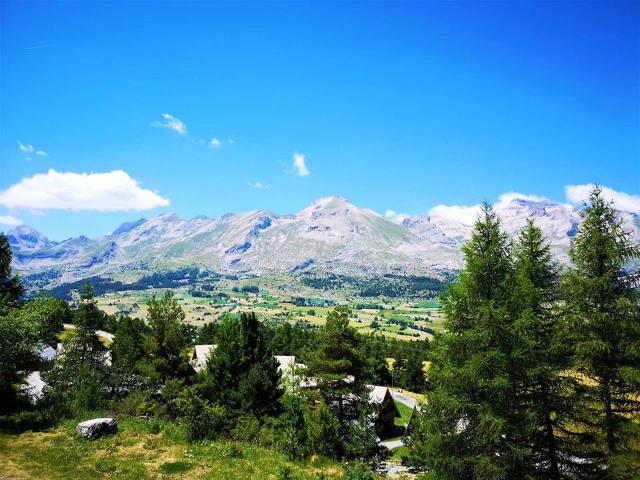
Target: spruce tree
[[242, 373], [603, 309], [469, 428], [543, 352]]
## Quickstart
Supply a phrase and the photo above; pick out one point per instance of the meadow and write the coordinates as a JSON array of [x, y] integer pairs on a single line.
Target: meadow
[[147, 449]]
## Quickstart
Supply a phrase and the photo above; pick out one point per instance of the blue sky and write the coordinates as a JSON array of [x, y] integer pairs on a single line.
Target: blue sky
[[399, 106]]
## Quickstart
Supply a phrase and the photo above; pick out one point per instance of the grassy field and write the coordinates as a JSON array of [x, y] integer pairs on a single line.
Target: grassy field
[[402, 320], [146, 450]]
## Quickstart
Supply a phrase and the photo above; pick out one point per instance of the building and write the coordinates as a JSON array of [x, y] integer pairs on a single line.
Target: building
[[385, 409]]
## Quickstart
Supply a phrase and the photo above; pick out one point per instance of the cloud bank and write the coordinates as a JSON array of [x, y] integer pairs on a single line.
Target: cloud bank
[[578, 194], [575, 195], [103, 192]]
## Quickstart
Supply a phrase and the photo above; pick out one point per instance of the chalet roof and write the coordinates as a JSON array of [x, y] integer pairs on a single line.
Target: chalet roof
[[377, 393], [201, 354], [203, 351], [285, 362]]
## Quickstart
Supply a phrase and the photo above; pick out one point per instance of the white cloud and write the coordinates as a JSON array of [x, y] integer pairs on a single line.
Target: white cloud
[[621, 201], [103, 192], [467, 215], [299, 167], [25, 148], [172, 123], [457, 213], [30, 149], [259, 185], [9, 220], [506, 198], [395, 216], [215, 143], [230, 141]]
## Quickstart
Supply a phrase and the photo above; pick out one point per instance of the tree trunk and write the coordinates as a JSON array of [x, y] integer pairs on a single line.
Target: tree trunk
[[609, 420], [554, 472]]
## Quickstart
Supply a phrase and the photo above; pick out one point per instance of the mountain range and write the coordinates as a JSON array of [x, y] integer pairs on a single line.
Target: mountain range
[[330, 235]]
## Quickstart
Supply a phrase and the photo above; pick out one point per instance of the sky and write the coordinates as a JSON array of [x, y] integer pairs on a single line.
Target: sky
[[110, 112]]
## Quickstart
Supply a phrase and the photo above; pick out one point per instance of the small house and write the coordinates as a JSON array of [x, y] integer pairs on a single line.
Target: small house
[[385, 408]]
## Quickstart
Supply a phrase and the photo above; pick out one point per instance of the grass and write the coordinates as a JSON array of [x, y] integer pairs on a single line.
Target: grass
[[427, 304], [137, 453], [398, 453], [405, 413]]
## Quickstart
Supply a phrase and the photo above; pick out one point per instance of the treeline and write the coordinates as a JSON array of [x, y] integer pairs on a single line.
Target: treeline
[[170, 279], [388, 285], [538, 373]]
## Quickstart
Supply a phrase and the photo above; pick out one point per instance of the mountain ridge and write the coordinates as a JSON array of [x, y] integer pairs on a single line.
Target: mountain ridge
[[329, 235]]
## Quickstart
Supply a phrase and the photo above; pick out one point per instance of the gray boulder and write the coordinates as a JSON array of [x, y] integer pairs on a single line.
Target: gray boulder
[[97, 427]]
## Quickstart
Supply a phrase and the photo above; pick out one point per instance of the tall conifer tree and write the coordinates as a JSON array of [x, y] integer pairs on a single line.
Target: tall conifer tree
[[469, 428], [242, 373], [543, 352], [603, 308]]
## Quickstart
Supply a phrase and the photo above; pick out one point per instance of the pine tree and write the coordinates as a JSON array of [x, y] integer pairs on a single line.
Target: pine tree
[[398, 371], [543, 352], [414, 379], [127, 348], [377, 369], [167, 343], [337, 366], [11, 289], [242, 373], [603, 308], [78, 379], [469, 429]]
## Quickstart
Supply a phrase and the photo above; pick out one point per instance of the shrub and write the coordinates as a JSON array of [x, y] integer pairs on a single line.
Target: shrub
[[139, 402], [246, 429], [26, 420], [359, 471], [201, 419]]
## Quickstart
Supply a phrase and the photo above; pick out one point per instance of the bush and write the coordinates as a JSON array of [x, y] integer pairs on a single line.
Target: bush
[[324, 432], [138, 403], [201, 419], [359, 471], [154, 426], [27, 420], [246, 429]]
